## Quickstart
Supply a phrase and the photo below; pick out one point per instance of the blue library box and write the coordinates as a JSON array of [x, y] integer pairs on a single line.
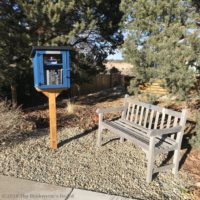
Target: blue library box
[[51, 67]]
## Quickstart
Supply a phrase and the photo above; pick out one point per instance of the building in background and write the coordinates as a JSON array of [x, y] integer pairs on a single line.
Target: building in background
[[123, 67]]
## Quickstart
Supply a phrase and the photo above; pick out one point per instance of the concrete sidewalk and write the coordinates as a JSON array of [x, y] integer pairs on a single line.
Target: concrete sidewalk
[[20, 189]]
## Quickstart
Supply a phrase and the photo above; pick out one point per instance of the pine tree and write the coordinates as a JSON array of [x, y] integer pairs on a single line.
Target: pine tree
[[161, 42], [196, 3], [14, 56], [91, 28]]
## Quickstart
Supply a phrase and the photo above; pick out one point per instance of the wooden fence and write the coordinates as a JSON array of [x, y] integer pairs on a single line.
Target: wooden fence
[[154, 88], [97, 83]]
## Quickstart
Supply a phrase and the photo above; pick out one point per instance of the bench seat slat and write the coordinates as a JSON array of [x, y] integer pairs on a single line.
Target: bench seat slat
[[124, 133], [135, 125], [140, 137], [160, 142], [145, 130], [138, 133]]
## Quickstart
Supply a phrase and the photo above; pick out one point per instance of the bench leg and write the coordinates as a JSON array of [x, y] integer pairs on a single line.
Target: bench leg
[[176, 162], [99, 137], [150, 166], [151, 159], [122, 139], [176, 158]]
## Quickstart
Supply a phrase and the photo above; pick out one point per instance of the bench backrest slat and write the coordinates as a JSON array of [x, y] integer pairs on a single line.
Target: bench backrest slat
[[169, 121], [136, 114], [132, 112], [175, 121], [156, 120], [151, 119], [162, 120], [141, 115], [128, 112], [151, 116], [146, 117]]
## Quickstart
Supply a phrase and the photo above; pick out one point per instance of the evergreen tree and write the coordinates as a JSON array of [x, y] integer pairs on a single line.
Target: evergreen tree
[[196, 3], [162, 42], [14, 54], [91, 28]]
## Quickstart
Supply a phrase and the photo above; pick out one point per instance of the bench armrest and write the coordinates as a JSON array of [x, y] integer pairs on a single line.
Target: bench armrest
[[159, 132], [108, 110]]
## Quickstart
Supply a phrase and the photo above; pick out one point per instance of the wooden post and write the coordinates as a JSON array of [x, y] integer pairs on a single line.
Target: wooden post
[[52, 94], [52, 120]]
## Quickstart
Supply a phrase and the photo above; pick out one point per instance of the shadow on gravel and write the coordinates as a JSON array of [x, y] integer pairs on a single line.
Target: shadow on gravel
[[102, 96], [40, 122], [15, 139], [109, 141], [84, 133], [189, 132]]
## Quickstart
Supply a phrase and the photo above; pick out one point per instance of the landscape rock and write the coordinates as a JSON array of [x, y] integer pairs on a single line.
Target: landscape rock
[[114, 168]]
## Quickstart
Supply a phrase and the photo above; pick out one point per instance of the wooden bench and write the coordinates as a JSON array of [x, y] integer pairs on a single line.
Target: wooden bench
[[153, 128]]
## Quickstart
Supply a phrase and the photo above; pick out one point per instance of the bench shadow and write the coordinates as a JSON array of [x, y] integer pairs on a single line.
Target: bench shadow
[[84, 133], [189, 133], [186, 146], [109, 141]]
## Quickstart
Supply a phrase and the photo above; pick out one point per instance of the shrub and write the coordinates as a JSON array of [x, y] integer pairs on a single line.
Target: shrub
[[11, 119], [195, 141], [151, 98]]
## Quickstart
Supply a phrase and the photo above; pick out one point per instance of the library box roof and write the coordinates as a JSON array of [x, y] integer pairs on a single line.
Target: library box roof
[[49, 48]]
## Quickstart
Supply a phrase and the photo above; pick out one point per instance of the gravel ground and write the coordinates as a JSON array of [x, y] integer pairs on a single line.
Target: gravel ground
[[115, 168]]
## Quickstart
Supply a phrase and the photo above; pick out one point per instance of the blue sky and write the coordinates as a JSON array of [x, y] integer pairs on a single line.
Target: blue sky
[[118, 53], [116, 56]]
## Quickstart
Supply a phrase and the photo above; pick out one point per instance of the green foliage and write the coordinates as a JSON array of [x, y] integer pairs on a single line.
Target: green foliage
[[91, 28], [162, 42], [196, 3], [195, 141], [133, 88], [151, 98]]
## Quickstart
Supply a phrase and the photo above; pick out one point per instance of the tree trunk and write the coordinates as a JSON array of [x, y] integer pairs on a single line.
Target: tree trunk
[[13, 87]]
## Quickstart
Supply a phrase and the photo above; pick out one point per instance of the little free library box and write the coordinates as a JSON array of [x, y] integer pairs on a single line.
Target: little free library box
[[51, 67], [51, 76]]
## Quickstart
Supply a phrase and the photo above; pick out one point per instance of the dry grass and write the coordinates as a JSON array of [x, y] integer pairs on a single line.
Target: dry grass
[[70, 107], [11, 119]]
